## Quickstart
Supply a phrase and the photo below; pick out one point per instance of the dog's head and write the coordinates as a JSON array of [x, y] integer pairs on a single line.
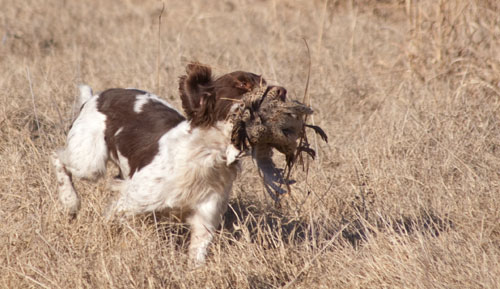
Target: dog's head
[[206, 99]]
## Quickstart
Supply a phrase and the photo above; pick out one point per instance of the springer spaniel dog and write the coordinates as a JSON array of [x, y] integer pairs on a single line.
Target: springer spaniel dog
[[167, 160]]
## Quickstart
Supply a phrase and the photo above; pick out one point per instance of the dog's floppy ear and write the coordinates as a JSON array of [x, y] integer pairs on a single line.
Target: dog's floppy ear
[[195, 88]]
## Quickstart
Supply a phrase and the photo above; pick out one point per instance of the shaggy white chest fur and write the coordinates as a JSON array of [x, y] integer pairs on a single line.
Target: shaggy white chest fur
[[190, 167]]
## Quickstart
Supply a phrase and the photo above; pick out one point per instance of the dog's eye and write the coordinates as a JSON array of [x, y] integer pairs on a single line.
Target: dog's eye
[[244, 85]]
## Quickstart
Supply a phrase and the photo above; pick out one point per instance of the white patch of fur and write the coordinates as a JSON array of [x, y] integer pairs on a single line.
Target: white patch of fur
[[123, 164], [85, 93], [119, 131], [140, 101], [86, 152]]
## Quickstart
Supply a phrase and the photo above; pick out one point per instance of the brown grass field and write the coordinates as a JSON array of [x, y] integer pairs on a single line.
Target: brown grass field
[[406, 194]]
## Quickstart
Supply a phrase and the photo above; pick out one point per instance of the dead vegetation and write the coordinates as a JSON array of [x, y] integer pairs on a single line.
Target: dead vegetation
[[404, 195]]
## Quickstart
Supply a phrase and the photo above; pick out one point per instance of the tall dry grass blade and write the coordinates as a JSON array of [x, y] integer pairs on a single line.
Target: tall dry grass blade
[[321, 27], [354, 23], [59, 115], [408, 12], [30, 82], [159, 51], [306, 99]]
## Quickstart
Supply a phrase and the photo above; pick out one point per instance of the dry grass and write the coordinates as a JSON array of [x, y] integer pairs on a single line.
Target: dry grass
[[405, 195]]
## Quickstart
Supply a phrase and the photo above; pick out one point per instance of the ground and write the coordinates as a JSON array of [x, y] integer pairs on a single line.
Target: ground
[[404, 195]]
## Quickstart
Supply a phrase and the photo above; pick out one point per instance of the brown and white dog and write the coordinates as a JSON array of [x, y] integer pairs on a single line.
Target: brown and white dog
[[166, 160]]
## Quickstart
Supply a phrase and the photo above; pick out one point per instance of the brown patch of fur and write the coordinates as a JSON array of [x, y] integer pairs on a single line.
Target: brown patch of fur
[[138, 139]]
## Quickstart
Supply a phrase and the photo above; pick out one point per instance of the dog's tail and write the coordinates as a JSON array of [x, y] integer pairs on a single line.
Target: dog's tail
[[85, 93]]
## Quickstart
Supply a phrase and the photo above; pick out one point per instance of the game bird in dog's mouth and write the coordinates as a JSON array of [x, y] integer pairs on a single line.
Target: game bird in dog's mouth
[[267, 119], [186, 164]]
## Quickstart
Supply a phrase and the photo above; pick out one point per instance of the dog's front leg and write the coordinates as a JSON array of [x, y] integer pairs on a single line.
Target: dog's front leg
[[205, 218]]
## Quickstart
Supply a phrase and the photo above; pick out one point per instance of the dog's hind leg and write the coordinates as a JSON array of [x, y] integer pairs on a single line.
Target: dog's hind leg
[[67, 194], [86, 152]]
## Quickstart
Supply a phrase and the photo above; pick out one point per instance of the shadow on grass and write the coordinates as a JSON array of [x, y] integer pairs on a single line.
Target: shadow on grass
[[269, 227], [427, 223]]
